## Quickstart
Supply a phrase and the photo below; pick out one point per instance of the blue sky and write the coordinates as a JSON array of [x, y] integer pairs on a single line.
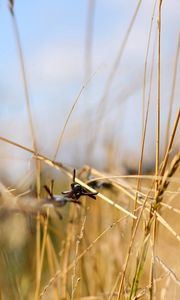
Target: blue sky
[[53, 37]]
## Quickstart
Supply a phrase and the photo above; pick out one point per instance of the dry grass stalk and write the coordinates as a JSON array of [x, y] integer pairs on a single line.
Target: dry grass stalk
[[89, 38], [166, 179], [64, 169], [158, 89], [59, 273], [59, 142], [152, 217], [171, 100], [145, 67], [147, 201], [30, 118], [103, 102], [169, 147], [11, 6], [66, 253], [146, 118], [168, 270], [158, 110], [79, 238], [50, 256]]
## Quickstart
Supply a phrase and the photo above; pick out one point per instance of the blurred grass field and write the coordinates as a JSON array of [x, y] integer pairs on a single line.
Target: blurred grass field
[[124, 244]]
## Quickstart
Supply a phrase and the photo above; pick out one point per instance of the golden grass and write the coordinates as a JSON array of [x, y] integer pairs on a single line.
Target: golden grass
[[124, 244]]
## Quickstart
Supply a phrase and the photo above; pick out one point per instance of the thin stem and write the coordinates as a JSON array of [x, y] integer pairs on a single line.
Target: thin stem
[[131, 245], [24, 76], [30, 118], [60, 166], [169, 146], [145, 66], [89, 37], [103, 102], [158, 91], [60, 273], [171, 100], [152, 269], [145, 122], [50, 256]]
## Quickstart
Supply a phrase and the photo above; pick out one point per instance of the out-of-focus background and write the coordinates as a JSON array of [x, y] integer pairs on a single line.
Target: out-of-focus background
[[96, 44]]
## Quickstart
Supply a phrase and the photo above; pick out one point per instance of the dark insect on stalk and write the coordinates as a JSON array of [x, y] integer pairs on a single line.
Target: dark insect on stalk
[[32, 206], [69, 196]]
